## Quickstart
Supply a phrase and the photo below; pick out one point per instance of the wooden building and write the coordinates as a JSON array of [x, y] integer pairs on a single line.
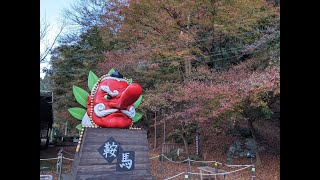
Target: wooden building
[[46, 117]]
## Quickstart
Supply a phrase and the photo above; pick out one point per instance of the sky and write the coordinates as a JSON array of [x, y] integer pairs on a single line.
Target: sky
[[51, 11]]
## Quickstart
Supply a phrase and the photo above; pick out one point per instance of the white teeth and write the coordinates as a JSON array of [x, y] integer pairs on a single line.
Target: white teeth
[[100, 110], [131, 113]]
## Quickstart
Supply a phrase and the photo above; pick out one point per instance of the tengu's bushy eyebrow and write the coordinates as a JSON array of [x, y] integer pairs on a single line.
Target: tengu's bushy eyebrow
[[107, 90]]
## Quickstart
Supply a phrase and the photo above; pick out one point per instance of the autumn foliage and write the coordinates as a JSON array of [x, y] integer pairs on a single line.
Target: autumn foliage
[[209, 63]]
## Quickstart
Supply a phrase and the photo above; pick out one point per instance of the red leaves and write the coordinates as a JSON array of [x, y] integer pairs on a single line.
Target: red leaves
[[231, 87]]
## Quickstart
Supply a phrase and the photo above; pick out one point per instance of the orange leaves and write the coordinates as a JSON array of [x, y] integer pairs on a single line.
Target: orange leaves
[[242, 14]]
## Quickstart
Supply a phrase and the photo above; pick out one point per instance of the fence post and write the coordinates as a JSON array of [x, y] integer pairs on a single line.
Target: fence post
[[216, 171], [189, 170], [253, 169], [60, 157], [162, 161]]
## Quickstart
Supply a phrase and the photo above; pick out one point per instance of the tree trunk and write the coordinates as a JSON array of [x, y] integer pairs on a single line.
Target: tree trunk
[[185, 143], [221, 54], [47, 138], [155, 131], [254, 136], [187, 61], [187, 67]]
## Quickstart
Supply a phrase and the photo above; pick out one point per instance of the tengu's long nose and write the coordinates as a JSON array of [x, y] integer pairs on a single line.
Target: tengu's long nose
[[129, 96]]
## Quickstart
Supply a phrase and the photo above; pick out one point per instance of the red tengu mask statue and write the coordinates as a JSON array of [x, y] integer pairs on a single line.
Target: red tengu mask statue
[[110, 103]]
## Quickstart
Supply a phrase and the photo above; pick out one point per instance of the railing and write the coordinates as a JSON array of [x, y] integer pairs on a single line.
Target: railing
[[189, 173], [186, 174], [59, 165]]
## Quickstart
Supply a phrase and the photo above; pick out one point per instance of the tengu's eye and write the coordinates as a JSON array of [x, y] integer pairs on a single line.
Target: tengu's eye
[[107, 97]]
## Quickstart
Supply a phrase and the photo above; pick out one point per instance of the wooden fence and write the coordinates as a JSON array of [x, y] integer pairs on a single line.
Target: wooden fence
[[168, 147]]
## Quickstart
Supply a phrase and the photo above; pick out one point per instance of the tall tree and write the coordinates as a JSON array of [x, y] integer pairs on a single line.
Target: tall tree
[[44, 41], [189, 31], [101, 13], [71, 64]]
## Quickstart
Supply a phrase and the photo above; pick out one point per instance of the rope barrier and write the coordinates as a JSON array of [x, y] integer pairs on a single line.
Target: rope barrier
[[228, 165], [60, 157], [175, 176], [237, 165], [230, 172], [67, 158], [155, 157], [223, 164], [68, 152], [48, 159], [216, 162], [174, 161], [59, 161]]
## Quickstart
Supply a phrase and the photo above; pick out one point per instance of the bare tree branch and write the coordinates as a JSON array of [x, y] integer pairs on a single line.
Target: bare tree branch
[[48, 49], [44, 28]]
